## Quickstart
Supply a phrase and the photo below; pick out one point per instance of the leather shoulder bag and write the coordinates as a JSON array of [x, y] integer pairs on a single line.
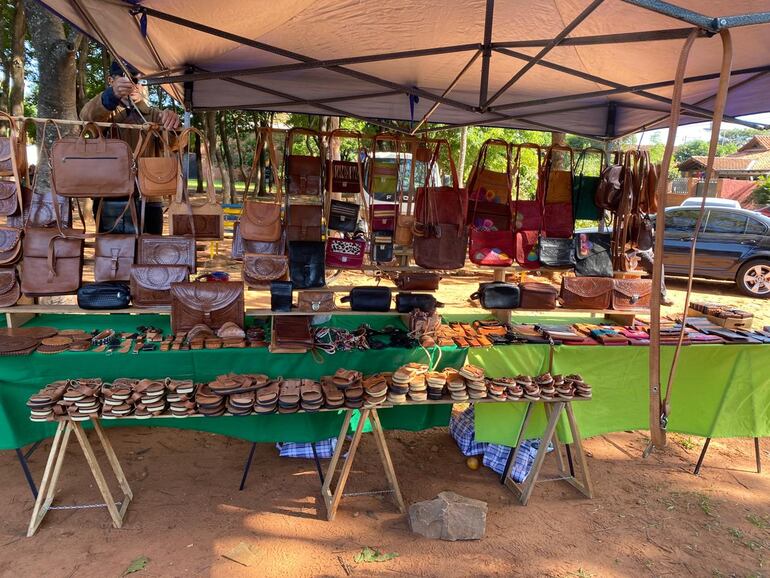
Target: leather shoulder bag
[[586, 292], [151, 284], [9, 288], [281, 296], [261, 220], [592, 255], [53, 261], [212, 303], [584, 186], [558, 213], [10, 245], [113, 257], [306, 264], [157, 177], [556, 253], [345, 253], [489, 192], [498, 295], [155, 250], [303, 172], [304, 222]]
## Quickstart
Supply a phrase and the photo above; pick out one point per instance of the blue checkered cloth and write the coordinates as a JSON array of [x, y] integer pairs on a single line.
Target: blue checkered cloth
[[324, 448], [495, 457], [463, 430]]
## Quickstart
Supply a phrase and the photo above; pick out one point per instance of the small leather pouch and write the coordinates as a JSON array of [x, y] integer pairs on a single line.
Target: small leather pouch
[[306, 264], [534, 295], [557, 253], [631, 294], [498, 295], [345, 253], [280, 295], [316, 301], [9, 288], [10, 245], [151, 284], [260, 270], [304, 223], [105, 295], [412, 281], [211, 303], [292, 331], [343, 216], [586, 292], [113, 257], [408, 302], [369, 299]]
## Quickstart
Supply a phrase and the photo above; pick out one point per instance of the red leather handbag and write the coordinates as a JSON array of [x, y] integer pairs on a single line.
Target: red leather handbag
[[558, 212], [345, 253]]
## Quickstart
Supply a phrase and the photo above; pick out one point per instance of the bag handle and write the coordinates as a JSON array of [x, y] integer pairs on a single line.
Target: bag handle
[[300, 130]]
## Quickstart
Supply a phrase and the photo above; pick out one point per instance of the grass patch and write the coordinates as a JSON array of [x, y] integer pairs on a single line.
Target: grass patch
[[685, 443], [580, 573], [761, 522], [686, 501]]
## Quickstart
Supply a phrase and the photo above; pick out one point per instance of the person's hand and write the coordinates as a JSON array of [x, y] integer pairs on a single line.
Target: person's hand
[[122, 87], [169, 119]]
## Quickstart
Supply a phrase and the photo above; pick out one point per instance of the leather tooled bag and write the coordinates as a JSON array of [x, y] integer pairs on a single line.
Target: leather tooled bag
[[106, 295], [536, 295], [345, 253], [417, 281], [12, 149], [281, 296], [584, 187], [210, 303], [306, 264], [9, 288], [316, 301], [13, 195], [260, 270], [408, 302], [369, 299], [631, 294], [10, 245], [157, 177], [498, 295], [343, 216], [303, 223], [261, 220], [592, 255], [154, 250], [53, 261], [93, 167], [557, 253], [303, 172], [113, 257], [151, 284], [586, 292]]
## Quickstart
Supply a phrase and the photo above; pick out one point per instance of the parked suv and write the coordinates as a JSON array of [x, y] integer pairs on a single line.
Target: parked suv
[[732, 244]]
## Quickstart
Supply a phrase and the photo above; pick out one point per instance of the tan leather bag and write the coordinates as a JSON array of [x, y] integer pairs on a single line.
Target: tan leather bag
[[303, 172], [53, 261], [586, 292], [261, 220], [156, 250], [9, 288], [303, 223], [158, 177], [210, 303], [113, 257], [259, 270], [631, 294], [12, 149], [151, 284], [316, 301], [10, 245]]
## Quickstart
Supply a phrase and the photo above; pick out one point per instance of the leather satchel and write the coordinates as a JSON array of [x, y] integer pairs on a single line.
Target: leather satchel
[[93, 167], [536, 295], [316, 301], [53, 261], [259, 270], [10, 194], [557, 253], [498, 295], [306, 264], [369, 299], [631, 294], [416, 281], [586, 292], [9, 288], [304, 223], [408, 302], [157, 177], [281, 295], [106, 295], [261, 221], [10, 245], [113, 257], [151, 284], [345, 253], [212, 303], [155, 250], [343, 216], [303, 172], [593, 257]]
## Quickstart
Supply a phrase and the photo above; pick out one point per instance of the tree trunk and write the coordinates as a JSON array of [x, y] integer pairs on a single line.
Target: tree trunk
[[222, 127], [17, 61], [83, 49], [463, 154], [216, 156], [106, 61], [238, 146]]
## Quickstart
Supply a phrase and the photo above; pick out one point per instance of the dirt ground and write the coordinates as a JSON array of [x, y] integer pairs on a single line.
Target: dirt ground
[[650, 517]]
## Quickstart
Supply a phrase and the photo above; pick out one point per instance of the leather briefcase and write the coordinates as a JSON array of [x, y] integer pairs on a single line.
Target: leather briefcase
[[10, 245], [151, 284], [586, 292], [498, 295], [156, 250], [9, 288], [53, 262], [534, 295], [113, 257], [281, 296], [306, 264], [304, 223], [343, 216], [316, 301], [212, 303], [631, 294], [106, 295], [413, 281], [369, 299], [408, 302], [260, 270]]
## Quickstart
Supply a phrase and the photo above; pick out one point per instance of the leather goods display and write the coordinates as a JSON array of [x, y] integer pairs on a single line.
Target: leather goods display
[[303, 223], [53, 261], [383, 217], [106, 295], [154, 250], [382, 248], [92, 167], [281, 296], [343, 216], [557, 253], [586, 292], [536, 295], [306, 264], [345, 253], [316, 301], [408, 302], [369, 299], [157, 177], [212, 303], [10, 245], [631, 294], [151, 284], [10, 194], [10, 291], [584, 187], [303, 172], [292, 331], [487, 185], [113, 257], [259, 270], [498, 295], [417, 281], [592, 255]]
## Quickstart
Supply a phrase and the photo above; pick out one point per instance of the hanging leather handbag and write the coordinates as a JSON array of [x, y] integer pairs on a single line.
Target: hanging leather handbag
[[13, 195], [151, 284], [343, 216], [117, 216], [105, 295], [157, 177], [153, 250], [53, 261], [498, 295], [281, 296], [592, 255], [536, 295], [383, 217], [260, 221], [527, 249], [12, 148], [488, 186], [556, 253], [527, 214], [303, 172], [384, 183], [92, 167], [10, 245], [584, 187], [369, 299], [113, 257], [10, 291], [316, 301], [404, 234], [610, 188], [303, 223], [212, 303], [345, 253], [416, 281], [306, 264], [382, 248], [631, 294], [491, 248], [260, 270], [408, 302], [586, 292], [558, 213], [344, 177]]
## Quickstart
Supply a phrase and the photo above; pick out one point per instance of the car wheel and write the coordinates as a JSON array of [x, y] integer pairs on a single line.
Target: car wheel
[[753, 279]]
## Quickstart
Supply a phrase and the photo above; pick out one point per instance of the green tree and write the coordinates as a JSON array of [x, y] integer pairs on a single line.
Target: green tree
[[761, 195]]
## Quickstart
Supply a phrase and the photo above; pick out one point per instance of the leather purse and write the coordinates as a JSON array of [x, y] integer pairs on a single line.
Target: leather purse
[[491, 248], [527, 249], [584, 187], [292, 331], [155, 250], [416, 281], [303, 172], [631, 294], [383, 217], [259, 270], [344, 177], [408, 302], [304, 223], [491, 187], [53, 261], [10, 194], [281, 296], [10, 291], [94, 167], [557, 253], [261, 221], [343, 216], [157, 177], [586, 292], [306, 264], [151, 284], [345, 253], [382, 248], [498, 295], [369, 299], [316, 301], [593, 257], [534, 295], [105, 295], [113, 257], [10, 245], [212, 303], [404, 234]]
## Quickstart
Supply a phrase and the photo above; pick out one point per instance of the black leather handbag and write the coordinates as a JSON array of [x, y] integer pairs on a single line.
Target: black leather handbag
[[369, 299], [306, 264], [592, 255], [557, 253], [106, 295], [382, 247], [116, 219], [408, 302], [281, 295], [343, 216], [498, 295]]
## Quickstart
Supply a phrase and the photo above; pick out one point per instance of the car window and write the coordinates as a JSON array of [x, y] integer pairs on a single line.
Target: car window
[[726, 222], [681, 220], [755, 227]]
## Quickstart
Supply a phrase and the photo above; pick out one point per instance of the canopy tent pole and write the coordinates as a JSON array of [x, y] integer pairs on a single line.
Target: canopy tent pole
[[487, 50]]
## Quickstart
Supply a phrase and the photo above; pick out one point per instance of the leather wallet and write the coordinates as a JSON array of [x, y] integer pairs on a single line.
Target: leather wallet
[[280, 295], [292, 331]]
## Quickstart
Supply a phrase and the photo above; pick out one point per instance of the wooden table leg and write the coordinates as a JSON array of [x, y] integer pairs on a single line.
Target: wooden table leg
[[332, 498], [387, 463], [60, 439], [584, 486]]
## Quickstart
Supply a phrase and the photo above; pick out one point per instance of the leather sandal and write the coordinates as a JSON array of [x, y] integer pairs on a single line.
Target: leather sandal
[[290, 393], [310, 392]]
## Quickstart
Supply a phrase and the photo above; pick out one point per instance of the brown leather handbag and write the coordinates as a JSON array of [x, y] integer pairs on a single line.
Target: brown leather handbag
[[303, 172], [113, 257], [259, 270], [534, 295], [316, 301], [158, 177], [13, 196], [261, 220], [12, 149], [210, 303], [631, 294], [586, 292], [151, 284], [415, 281], [10, 245], [92, 167], [292, 331], [9, 288], [155, 250], [304, 223], [53, 261]]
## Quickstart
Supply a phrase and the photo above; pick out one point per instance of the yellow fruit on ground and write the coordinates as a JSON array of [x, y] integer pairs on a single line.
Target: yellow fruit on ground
[[473, 463]]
